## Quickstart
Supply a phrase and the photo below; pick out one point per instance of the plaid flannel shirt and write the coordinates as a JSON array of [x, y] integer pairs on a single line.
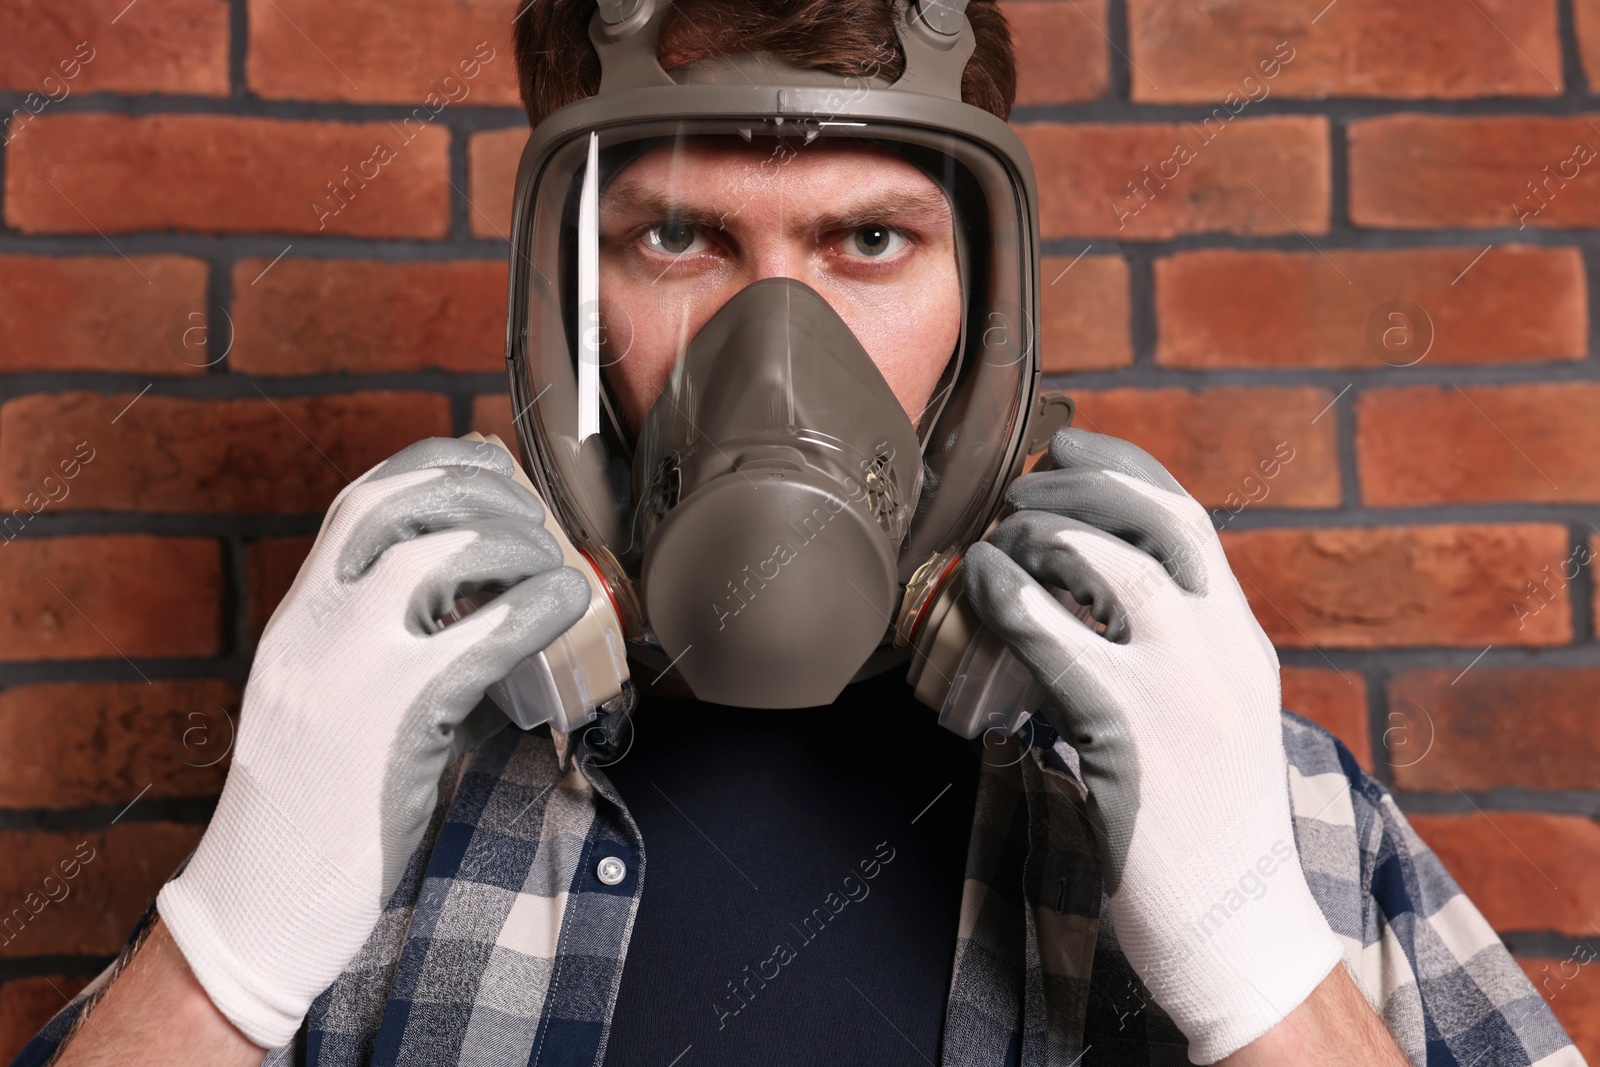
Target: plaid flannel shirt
[[502, 946]]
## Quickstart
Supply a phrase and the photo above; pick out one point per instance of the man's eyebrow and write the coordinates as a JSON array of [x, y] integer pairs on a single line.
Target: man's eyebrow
[[883, 206], [632, 200], [887, 206]]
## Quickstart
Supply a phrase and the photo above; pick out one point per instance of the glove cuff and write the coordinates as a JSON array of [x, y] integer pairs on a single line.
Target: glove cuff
[[1234, 976], [1279, 982], [263, 919]]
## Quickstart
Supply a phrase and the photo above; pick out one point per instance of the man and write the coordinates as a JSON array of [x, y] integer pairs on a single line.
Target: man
[[816, 383]]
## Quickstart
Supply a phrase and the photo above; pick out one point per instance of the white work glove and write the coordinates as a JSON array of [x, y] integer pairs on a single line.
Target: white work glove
[[1175, 716], [354, 706]]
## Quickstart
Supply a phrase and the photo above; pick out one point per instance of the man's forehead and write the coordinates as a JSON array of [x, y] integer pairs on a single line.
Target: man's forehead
[[709, 169]]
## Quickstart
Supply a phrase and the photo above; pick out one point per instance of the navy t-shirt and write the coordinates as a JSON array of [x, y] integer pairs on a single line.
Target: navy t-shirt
[[802, 884]]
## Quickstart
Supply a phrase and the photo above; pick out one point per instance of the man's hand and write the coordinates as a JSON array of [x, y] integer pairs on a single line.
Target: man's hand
[[1176, 718], [354, 706]]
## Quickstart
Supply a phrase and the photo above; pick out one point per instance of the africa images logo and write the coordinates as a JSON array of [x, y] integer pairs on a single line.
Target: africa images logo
[[855, 888]]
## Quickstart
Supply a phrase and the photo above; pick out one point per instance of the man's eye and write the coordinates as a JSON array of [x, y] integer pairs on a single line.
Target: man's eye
[[675, 238], [875, 241]]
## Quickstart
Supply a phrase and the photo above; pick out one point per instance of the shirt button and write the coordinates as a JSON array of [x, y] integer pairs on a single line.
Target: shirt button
[[611, 870]]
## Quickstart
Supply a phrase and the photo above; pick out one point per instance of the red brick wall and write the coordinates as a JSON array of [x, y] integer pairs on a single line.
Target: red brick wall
[[1356, 234]]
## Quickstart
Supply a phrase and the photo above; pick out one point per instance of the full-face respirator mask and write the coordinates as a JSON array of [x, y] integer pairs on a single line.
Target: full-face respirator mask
[[701, 341]]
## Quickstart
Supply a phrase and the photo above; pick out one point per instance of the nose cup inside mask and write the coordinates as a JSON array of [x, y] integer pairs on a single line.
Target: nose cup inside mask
[[776, 475]]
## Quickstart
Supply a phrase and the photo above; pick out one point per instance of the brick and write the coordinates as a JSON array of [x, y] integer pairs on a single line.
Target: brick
[[491, 413], [1083, 317], [115, 876], [1259, 48], [1228, 308], [326, 316], [1198, 181], [492, 158], [219, 174], [101, 313], [175, 454], [154, 46], [1547, 880], [1434, 445], [1419, 172], [1586, 16], [271, 565], [1231, 448], [1334, 700], [1532, 728], [1063, 50], [1377, 587], [105, 597], [1594, 606], [1570, 984], [74, 744], [397, 50], [26, 1004]]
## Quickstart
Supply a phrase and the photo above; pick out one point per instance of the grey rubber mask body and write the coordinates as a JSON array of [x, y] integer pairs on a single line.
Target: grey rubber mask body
[[776, 475]]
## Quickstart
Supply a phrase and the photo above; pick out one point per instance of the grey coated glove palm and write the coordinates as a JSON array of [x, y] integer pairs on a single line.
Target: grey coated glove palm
[[350, 716], [1175, 715]]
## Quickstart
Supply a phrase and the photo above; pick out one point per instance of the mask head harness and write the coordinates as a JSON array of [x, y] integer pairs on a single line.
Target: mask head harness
[[934, 34]]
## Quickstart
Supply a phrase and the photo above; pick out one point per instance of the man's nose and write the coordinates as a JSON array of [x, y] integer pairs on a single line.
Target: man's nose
[[776, 257]]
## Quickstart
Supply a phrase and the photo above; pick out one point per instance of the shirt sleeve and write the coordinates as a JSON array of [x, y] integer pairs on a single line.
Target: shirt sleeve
[[1426, 959], [42, 1049]]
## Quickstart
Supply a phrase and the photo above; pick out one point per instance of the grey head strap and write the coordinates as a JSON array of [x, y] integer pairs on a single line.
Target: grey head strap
[[934, 34]]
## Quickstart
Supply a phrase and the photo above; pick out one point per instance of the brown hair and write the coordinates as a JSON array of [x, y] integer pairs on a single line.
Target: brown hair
[[557, 64]]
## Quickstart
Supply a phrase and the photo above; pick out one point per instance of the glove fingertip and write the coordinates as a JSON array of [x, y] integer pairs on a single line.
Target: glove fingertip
[[1068, 444], [998, 587], [573, 589], [985, 567], [563, 595]]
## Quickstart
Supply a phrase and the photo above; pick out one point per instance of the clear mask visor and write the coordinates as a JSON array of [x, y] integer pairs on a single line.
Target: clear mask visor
[[632, 239]]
